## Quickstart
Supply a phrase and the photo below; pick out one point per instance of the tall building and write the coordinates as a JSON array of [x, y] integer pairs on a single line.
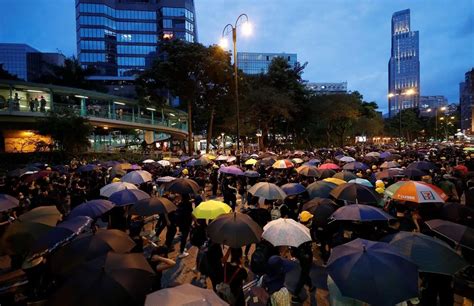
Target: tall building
[[27, 63], [326, 88], [429, 104], [256, 63], [120, 37], [404, 65], [466, 101]]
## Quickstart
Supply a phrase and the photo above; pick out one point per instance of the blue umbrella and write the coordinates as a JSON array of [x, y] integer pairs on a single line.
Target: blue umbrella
[[62, 233], [87, 168], [128, 196], [359, 212], [111, 163], [7, 202], [250, 173], [385, 154], [430, 254], [355, 166], [313, 162], [320, 189], [232, 170], [373, 272], [92, 209], [293, 188], [362, 181]]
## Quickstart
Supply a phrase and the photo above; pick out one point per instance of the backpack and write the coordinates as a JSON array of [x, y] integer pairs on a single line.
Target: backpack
[[276, 212], [223, 289]]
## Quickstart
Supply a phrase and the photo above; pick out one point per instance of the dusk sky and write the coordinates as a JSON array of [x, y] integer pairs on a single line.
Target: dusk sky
[[341, 40]]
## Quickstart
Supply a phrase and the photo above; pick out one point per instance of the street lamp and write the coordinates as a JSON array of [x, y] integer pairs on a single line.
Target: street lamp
[[258, 134], [398, 92], [246, 30]]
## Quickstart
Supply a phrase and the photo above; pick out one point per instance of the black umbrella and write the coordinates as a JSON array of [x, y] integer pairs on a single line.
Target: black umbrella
[[354, 193], [422, 165], [325, 173], [89, 246], [152, 206], [345, 176], [320, 189], [458, 233], [7, 202], [266, 162], [458, 213], [235, 230], [92, 209], [17, 172], [183, 186], [321, 208], [114, 279], [413, 172]]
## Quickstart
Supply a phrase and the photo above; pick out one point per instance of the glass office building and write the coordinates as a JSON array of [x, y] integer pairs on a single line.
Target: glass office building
[[256, 63], [404, 65], [120, 37], [466, 101]]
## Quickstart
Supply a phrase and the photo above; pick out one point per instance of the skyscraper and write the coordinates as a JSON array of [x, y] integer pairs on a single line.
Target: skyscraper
[[120, 37], [256, 63], [466, 101], [404, 65]]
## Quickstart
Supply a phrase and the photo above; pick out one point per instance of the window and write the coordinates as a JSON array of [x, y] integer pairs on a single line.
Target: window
[[127, 26], [140, 38], [92, 57], [167, 23], [92, 45], [120, 14], [131, 61], [130, 49], [177, 12]]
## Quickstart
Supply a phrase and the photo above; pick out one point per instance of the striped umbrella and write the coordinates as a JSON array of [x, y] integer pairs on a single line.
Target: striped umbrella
[[335, 180], [267, 191], [307, 171], [414, 191], [283, 164]]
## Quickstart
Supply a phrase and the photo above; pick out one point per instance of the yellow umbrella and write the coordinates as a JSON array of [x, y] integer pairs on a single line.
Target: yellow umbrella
[[334, 180], [210, 156], [211, 209], [251, 162]]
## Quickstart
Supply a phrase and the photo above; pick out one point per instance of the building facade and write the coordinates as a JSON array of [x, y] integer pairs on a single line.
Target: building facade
[[466, 101], [256, 63], [404, 65], [120, 37], [27, 63], [429, 104], [326, 88]]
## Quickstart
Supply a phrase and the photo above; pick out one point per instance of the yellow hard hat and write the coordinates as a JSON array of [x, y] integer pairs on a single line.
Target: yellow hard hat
[[185, 171], [374, 167], [305, 216], [379, 183], [115, 180], [380, 190]]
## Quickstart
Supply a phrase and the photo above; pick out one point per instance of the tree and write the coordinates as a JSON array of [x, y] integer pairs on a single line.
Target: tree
[[69, 132], [5, 75], [409, 126], [200, 76]]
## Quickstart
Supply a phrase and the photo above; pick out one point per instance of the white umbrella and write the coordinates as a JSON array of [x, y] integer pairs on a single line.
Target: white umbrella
[[286, 232], [109, 189], [222, 158], [165, 179], [137, 177], [267, 191], [347, 159], [148, 161], [373, 154], [164, 163], [231, 159]]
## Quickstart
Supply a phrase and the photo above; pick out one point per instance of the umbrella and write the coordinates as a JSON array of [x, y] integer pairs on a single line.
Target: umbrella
[[326, 173], [373, 272], [23, 232], [268, 191], [389, 164], [165, 179], [414, 191], [231, 159], [313, 162], [117, 170], [137, 177], [458, 213], [222, 158], [283, 164], [211, 209], [267, 161], [37, 175], [430, 254], [320, 189], [334, 180], [345, 176], [422, 165], [152, 206], [7, 202], [148, 161], [234, 229], [389, 173], [62, 233], [164, 163], [293, 188], [298, 152], [183, 186], [209, 156], [361, 181], [373, 154], [354, 193], [92, 209], [329, 166], [321, 209], [297, 160], [384, 155], [87, 168], [355, 166], [17, 172], [112, 279], [393, 157], [128, 197], [184, 295], [135, 167], [458, 233], [250, 173], [309, 171], [413, 172], [89, 246], [347, 159], [111, 188], [232, 170], [358, 212], [251, 162], [286, 232], [254, 155]]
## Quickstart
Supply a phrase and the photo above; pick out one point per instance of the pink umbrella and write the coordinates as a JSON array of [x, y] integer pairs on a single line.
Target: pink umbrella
[[329, 166]]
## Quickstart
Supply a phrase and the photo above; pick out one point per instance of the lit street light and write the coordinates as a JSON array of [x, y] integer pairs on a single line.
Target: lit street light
[[246, 30], [398, 92]]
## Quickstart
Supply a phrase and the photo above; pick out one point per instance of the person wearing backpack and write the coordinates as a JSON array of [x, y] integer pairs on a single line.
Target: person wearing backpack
[[235, 276], [279, 210]]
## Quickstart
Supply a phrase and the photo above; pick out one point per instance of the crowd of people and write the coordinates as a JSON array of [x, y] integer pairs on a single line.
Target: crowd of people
[[258, 273]]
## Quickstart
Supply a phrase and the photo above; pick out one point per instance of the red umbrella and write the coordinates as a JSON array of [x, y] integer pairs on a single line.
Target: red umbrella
[[461, 168], [330, 166], [37, 175]]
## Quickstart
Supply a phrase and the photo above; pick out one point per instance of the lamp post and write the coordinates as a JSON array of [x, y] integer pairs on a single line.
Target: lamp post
[[229, 28], [258, 134], [398, 92]]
